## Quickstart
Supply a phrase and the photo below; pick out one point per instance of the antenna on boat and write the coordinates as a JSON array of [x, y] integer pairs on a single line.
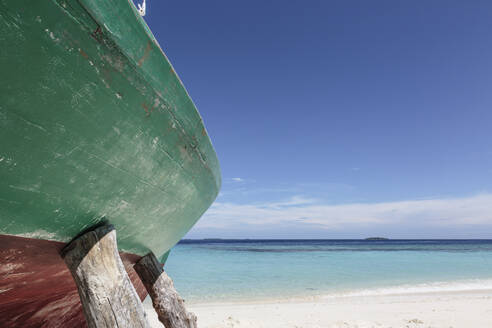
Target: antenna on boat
[[141, 8]]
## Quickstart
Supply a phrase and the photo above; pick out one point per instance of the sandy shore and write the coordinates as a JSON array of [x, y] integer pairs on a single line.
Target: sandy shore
[[471, 309]]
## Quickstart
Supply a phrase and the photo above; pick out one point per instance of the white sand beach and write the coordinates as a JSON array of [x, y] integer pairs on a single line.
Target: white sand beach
[[464, 309]]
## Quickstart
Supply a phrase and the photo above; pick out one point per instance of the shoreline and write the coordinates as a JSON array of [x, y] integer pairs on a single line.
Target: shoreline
[[442, 287], [329, 298], [470, 308]]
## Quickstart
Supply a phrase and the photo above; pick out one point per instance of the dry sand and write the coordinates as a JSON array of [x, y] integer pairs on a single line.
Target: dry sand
[[471, 309]]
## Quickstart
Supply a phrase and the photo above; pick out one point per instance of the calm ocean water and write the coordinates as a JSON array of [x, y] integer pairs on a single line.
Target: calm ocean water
[[225, 270]]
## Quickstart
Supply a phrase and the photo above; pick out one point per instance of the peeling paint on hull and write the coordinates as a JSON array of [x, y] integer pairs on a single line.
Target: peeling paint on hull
[[36, 288], [94, 124]]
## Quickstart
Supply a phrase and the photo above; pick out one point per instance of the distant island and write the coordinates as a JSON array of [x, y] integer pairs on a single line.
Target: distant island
[[376, 238]]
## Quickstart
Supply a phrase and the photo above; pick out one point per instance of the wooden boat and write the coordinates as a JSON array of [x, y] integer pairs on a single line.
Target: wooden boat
[[94, 125]]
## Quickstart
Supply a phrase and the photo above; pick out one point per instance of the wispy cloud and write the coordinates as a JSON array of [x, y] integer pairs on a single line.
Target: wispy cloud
[[295, 201], [446, 212], [237, 179]]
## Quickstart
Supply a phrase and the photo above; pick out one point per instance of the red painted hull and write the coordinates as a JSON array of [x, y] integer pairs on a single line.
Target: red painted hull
[[36, 288]]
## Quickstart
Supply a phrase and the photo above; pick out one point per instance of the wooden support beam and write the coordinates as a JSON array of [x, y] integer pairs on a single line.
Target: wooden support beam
[[107, 295], [168, 304]]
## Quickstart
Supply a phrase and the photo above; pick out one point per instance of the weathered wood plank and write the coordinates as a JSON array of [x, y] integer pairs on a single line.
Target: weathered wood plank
[[107, 295], [168, 304]]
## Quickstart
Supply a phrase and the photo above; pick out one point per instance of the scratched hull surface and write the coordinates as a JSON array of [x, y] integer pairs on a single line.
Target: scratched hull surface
[[95, 123], [37, 289]]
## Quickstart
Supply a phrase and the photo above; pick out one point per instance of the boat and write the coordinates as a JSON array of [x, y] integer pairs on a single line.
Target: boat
[[95, 126]]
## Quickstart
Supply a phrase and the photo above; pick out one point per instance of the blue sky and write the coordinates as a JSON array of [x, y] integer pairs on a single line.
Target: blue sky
[[340, 119]]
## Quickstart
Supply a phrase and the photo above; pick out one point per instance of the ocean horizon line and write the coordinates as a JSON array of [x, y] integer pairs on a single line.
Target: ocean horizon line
[[335, 239]]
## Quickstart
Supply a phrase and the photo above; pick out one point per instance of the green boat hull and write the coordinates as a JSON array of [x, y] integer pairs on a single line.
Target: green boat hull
[[96, 125]]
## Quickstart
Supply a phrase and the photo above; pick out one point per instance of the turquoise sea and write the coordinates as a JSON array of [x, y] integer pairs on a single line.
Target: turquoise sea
[[245, 270]]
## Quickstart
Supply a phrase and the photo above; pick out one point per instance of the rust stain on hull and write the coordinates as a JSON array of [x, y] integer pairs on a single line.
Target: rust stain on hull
[[83, 54], [146, 109], [36, 288], [145, 55]]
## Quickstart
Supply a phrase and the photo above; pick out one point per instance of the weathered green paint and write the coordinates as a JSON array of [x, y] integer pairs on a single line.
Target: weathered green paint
[[95, 123]]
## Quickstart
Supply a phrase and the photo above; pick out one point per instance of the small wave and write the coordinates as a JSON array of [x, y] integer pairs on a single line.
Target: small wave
[[434, 287]]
